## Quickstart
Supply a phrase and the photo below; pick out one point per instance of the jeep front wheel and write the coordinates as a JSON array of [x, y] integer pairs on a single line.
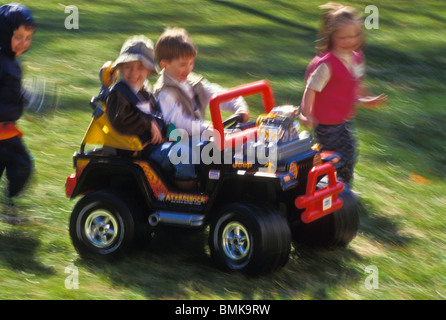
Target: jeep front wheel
[[250, 238], [101, 224]]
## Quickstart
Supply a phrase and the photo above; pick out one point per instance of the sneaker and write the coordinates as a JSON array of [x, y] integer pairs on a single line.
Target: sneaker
[[10, 214]]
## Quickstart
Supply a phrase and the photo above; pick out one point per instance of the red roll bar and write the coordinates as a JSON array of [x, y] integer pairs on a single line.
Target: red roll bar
[[258, 87]]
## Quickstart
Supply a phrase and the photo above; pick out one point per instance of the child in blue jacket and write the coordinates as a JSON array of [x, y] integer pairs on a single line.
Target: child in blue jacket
[[16, 32]]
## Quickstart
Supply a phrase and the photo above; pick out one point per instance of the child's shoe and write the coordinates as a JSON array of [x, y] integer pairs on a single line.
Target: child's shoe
[[10, 214]]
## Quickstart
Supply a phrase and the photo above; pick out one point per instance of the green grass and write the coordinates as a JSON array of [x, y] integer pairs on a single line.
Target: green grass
[[402, 221]]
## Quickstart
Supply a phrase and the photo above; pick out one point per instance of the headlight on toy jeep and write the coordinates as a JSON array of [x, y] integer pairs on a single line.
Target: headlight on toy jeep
[[317, 159], [293, 169], [260, 119]]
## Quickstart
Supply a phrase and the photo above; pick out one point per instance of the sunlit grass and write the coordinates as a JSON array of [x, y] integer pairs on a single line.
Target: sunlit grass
[[400, 174]]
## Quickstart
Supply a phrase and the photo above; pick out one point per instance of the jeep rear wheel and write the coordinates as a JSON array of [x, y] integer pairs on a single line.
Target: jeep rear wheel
[[250, 238], [101, 224]]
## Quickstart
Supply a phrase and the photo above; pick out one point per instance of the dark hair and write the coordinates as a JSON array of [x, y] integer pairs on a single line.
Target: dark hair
[[174, 43], [335, 15], [12, 17], [28, 27]]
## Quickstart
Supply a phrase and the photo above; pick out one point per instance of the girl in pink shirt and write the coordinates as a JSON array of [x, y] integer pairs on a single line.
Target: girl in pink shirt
[[334, 86]]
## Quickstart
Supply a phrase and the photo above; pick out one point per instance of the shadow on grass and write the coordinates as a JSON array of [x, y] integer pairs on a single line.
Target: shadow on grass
[[253, 11], [378, 227], [18, 252], [177, 265]]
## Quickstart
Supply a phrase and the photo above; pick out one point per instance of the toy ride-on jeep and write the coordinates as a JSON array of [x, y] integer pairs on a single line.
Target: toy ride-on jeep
[[266, 186]]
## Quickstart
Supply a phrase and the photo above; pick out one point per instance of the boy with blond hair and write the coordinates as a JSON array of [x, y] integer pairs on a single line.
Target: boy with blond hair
[[184, 95]]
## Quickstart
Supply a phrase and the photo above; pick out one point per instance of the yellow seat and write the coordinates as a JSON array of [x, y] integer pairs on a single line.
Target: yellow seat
[[100, 131]]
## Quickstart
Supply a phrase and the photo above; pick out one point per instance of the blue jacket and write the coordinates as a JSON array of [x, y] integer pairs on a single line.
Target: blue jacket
[[12, 16]]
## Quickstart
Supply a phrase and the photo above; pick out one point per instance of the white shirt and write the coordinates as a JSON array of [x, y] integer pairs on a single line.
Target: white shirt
[[173, 111], [321, 75]]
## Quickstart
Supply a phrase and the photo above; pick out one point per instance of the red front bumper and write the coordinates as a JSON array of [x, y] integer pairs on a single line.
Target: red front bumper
[[318, 203]]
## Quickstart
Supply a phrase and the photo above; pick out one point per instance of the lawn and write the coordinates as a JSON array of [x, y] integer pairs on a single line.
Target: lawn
[[400, 175]]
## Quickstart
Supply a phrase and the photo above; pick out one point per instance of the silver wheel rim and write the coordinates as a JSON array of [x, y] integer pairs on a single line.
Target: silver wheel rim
[[101, 228], [236, 243]]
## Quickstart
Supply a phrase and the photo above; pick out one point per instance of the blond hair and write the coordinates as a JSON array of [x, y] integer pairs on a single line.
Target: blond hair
[[174, 43], [334, 16]]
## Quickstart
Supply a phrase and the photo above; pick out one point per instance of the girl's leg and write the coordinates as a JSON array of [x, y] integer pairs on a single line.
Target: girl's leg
[[340, 139]]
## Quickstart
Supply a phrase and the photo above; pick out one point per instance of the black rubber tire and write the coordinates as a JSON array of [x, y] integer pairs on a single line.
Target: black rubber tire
[[265, 235], [334, 230], [102, 216]]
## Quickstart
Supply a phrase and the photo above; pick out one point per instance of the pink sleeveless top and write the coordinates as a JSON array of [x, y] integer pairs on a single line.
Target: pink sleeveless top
[[335, 104]]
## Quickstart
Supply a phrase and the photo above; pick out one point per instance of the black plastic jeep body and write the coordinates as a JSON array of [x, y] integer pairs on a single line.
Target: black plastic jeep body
[[254, 209]]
